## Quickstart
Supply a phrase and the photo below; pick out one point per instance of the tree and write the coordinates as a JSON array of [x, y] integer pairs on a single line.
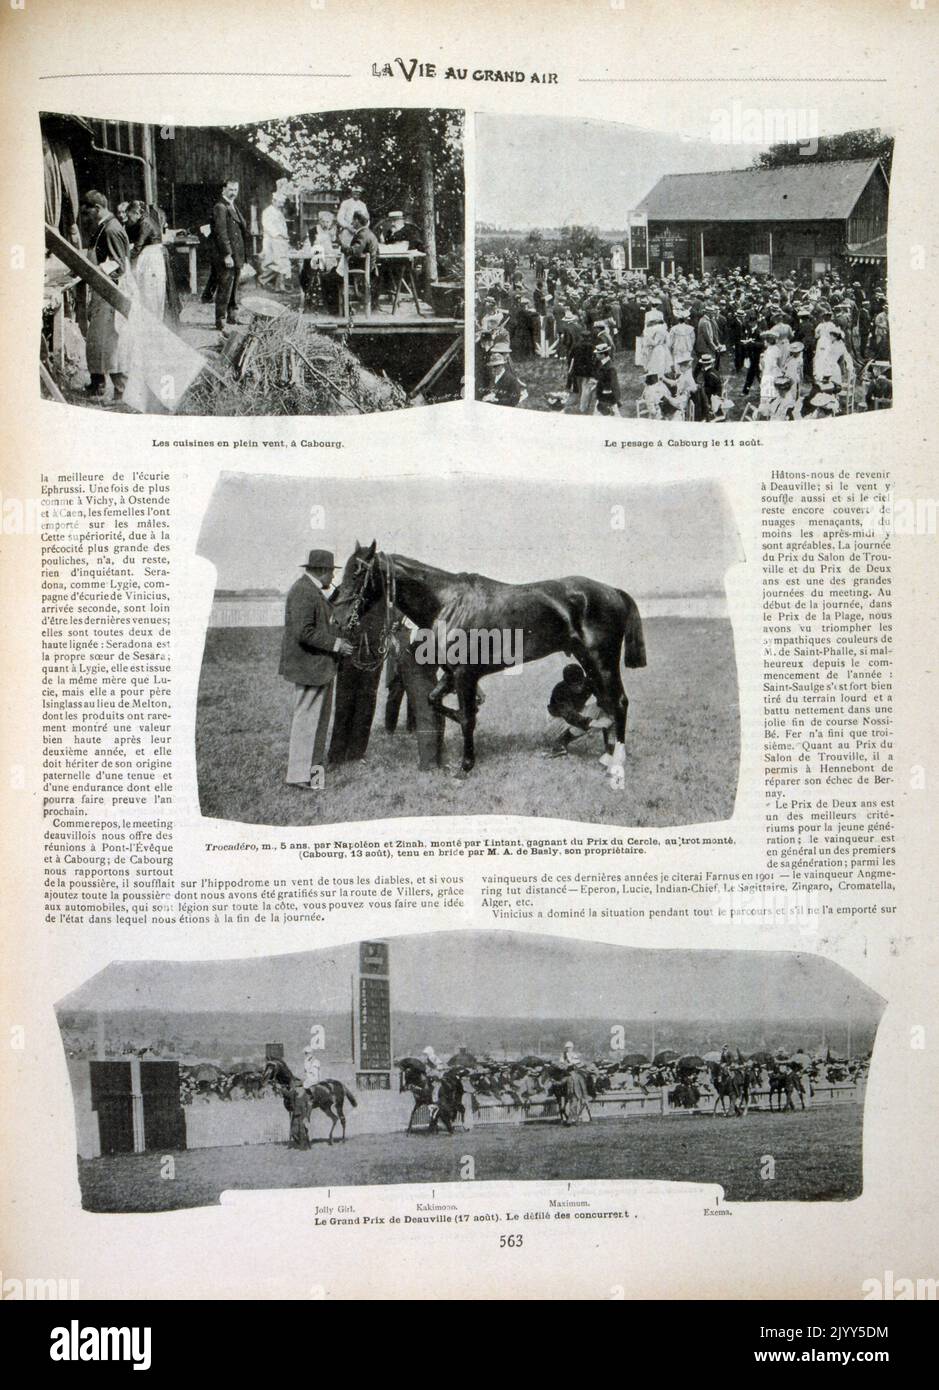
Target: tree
[[411, 160], [851, 144], [580, 241]]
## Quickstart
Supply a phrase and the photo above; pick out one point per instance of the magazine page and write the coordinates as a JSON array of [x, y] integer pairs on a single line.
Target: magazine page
[[469, 613]]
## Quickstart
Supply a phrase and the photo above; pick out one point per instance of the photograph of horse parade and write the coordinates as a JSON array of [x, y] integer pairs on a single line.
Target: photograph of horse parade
[[732, 277], [542, 1058], [349, 679], [308, 265]]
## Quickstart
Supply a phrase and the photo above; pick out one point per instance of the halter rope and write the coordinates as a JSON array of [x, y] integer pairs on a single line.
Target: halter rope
[[365, 658]]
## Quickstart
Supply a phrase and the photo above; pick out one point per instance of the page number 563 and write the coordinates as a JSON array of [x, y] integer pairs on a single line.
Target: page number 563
[[510, 1242]]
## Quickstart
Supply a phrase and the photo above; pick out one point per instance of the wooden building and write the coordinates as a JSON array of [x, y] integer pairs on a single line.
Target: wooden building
[[181, 169], [801, 220]]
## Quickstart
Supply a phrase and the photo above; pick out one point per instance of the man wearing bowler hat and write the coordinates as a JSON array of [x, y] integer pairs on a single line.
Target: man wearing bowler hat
[[311, 648]]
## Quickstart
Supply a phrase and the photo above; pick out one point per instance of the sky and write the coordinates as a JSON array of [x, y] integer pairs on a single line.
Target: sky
[[501, 974], [677, 539], [548, 171]]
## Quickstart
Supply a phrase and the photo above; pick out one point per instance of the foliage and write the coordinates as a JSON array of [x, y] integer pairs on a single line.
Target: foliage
[[851, 144], [379, 148]]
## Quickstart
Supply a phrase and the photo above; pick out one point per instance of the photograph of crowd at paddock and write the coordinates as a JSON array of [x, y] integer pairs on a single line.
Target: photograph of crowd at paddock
[[388, 1061], [445, 647], [299, 266], [756, 292]]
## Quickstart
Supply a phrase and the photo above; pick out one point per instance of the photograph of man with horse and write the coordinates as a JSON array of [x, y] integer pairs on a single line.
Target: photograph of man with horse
[[474, 603]]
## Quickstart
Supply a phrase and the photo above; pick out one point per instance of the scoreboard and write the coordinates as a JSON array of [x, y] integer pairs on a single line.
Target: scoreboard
[[373, 1050], [638, 241]]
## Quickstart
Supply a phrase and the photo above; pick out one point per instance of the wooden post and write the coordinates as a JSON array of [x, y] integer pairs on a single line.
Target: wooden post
[[87, 271], [428, 205]]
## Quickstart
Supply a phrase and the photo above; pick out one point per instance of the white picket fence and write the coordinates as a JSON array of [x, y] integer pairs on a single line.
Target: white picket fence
[[623, 1105], [212, 1124]]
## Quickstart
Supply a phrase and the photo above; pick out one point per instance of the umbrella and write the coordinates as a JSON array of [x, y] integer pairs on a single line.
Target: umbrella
[[410, 1063], [690, 1062], [206, 1072], [668, 1054], [712, 1056], [530, 1060], [765, 1058], [462, 1058], [634, 1059]]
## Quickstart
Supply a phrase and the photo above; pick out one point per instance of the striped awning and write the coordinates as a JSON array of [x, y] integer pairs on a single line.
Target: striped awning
[[868, 252]]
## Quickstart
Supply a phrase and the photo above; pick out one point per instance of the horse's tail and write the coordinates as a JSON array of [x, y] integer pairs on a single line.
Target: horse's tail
[[634, 643], [349, 1096]]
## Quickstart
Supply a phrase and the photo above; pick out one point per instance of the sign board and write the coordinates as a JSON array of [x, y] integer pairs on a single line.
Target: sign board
[[373, 1017], [760, 265], [638, 241]]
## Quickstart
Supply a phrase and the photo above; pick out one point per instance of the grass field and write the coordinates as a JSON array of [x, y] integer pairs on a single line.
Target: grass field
[[682, 743], [817, 1157]]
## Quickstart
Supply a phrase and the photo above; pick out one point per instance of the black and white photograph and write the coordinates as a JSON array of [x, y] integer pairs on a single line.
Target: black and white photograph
[[535, 1057], [309, 265], [655, 276], [387, 648]]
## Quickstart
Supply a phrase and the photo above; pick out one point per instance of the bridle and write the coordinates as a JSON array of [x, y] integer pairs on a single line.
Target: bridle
[[367, 657]]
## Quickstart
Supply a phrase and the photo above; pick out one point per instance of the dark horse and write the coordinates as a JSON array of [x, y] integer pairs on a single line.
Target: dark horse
[[785, 1083], [731, 1084], [472, 617], [300, 1101]]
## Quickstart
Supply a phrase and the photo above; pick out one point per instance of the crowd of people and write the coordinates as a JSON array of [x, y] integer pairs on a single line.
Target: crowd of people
[[129, 246], [336, 244], [339, 244], [794, 347], [688, 1079]]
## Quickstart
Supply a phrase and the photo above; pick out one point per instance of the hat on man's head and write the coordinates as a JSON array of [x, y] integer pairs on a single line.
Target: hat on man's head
[[396, 217], [320, 560]]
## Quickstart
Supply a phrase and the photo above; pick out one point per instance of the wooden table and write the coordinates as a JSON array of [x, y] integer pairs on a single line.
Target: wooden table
[[190, 248], [402, 266]]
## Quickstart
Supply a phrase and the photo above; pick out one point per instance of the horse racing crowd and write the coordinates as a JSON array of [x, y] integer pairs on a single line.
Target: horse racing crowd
[[788, 347], [726, 1077]]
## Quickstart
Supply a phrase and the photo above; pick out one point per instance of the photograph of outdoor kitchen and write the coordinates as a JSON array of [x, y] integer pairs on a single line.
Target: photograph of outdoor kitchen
[[311, 265]]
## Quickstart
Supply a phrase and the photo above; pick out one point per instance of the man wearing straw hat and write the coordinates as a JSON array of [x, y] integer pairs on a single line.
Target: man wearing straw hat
[[311, 647]]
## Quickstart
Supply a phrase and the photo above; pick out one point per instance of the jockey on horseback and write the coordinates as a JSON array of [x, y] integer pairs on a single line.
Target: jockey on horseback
[[311, 1067]]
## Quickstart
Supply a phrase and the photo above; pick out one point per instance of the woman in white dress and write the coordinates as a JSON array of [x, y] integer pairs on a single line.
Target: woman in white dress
[[147, 258], [276, 268], [655, 349]]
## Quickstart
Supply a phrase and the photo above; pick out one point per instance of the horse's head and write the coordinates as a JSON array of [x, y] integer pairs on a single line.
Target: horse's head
[[361, 584]]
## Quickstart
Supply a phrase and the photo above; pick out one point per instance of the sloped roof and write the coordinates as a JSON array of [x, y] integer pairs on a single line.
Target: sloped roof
[[810, 191]]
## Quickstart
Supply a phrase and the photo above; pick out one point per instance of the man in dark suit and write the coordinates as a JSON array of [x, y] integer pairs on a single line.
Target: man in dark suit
[[311, 648], [229, 252], [357, 692]]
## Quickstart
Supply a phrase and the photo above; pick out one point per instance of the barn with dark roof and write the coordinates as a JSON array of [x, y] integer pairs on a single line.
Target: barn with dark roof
[[801, 220]]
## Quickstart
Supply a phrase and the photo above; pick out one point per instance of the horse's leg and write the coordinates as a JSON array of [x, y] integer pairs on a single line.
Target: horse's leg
[[466, 682], [602, 667], [330, 1112], [436, 697]]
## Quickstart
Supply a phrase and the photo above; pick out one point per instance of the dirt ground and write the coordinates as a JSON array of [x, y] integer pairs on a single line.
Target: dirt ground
[[682, 743], [816, 1154]]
